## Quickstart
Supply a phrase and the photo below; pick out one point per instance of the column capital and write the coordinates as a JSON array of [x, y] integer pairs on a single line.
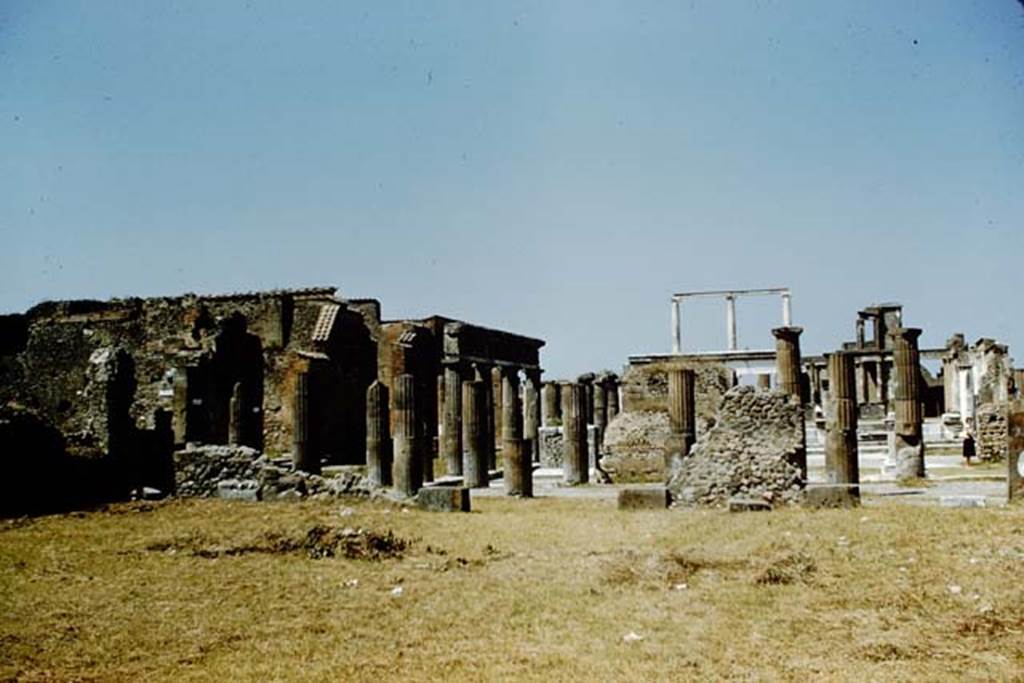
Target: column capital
[[787, 333], [908, 334]]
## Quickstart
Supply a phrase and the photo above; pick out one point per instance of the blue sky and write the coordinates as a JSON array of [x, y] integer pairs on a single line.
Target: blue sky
[[552, 168]]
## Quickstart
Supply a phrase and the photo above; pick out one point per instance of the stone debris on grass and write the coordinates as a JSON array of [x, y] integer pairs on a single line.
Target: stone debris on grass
[[632, 637], [397, 591]]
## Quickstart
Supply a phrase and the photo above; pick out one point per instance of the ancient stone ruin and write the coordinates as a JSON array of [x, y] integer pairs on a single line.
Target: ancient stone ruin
[[301, 393], [245, 395]]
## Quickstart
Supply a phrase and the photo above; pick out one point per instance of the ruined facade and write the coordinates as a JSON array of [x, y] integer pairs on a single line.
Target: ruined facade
[[106, 376]]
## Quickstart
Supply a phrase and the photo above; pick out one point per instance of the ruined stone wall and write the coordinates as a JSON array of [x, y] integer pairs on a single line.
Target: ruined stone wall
[[992, 432], [645, 387], [751, 451]]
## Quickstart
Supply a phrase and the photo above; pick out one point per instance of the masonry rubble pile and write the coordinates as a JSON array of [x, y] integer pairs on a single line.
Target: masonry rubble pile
[[752, 451]]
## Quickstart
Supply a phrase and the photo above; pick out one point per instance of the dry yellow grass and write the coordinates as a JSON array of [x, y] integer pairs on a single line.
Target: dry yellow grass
[[526, 590]]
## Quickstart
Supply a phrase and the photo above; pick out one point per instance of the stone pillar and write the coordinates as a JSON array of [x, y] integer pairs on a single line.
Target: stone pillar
[[483, 374], [236, 416], [378, 435], [575, 455], [451, 447], [518, 471], [600, 415], [787, 359], [682, 414], [303, 456], [586, 380], [730, 322], [496, 413], [612, 385], [677, 338], [407, 473], [474, 435], [1015, 451], [531, 416], [841, 465], [552, 414], [909, 444], [764, 381]]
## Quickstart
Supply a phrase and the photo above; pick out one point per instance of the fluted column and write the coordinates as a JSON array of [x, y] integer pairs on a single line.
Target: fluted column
[[612, 388], [516, 460], [236, 416], [600, 414], [841, 466], [474, 434], [378, 435], [303, 457], [407, 472], [531, 414], [787, 359], [575, 456], [586, 380], [682, 413], [552, 411], [909, 444], [483, 373], [451, 446]]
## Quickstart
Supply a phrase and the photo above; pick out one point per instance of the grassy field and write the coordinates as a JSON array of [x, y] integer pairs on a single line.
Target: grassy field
[[548, 589]]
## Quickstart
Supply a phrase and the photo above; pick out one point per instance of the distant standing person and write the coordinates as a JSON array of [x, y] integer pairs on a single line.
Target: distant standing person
[[969, 449]]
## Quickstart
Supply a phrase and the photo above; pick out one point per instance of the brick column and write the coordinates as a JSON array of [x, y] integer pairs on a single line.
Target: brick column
[[474, 434], [909, 444], [407, 472], [682, 413], [575, 456], [841, 466], [378, 435], [451, 447], [531, 414], [518, 472], [303, 456]]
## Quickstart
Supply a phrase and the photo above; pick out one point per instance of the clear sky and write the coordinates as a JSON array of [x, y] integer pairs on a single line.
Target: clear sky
[[552, 168]]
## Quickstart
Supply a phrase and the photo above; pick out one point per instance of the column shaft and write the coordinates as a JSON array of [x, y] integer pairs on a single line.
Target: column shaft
[[378, 435], [518, 471], [407, 472], [841, 466], [452, 438], [575, 457], [474, 434]]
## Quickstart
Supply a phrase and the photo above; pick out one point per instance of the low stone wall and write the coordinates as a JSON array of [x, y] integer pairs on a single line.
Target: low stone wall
[[752, 451], [992, 432], [239, 472], [635, 445], [551, 445], [645, 387]]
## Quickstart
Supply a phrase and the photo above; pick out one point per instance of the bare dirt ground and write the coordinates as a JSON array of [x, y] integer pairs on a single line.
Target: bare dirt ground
[[548, 589]]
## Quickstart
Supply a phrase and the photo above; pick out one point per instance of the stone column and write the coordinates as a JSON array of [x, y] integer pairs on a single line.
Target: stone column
[[682, 414], [303, 457], [531, 416], [730, 322], [483, 374], [474, 435], [787, 359], [552, 415], [451, 447], [909, 444], [612, 385], [516, 458], [236, 416], [407, 473], [575, 456], [787, 373], [586, 380], [496, 413], [378, 435], [764, 381], [600, 414], [841, 466]]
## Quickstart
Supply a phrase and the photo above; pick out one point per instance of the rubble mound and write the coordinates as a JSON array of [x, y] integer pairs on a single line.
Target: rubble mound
[[634, 446], [754, 451]]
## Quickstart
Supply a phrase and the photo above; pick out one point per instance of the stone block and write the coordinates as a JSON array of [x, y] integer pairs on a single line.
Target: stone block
[[832, 496], [238, 489], [749, 505], [644, 499], [443, 499], [962, 501]]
